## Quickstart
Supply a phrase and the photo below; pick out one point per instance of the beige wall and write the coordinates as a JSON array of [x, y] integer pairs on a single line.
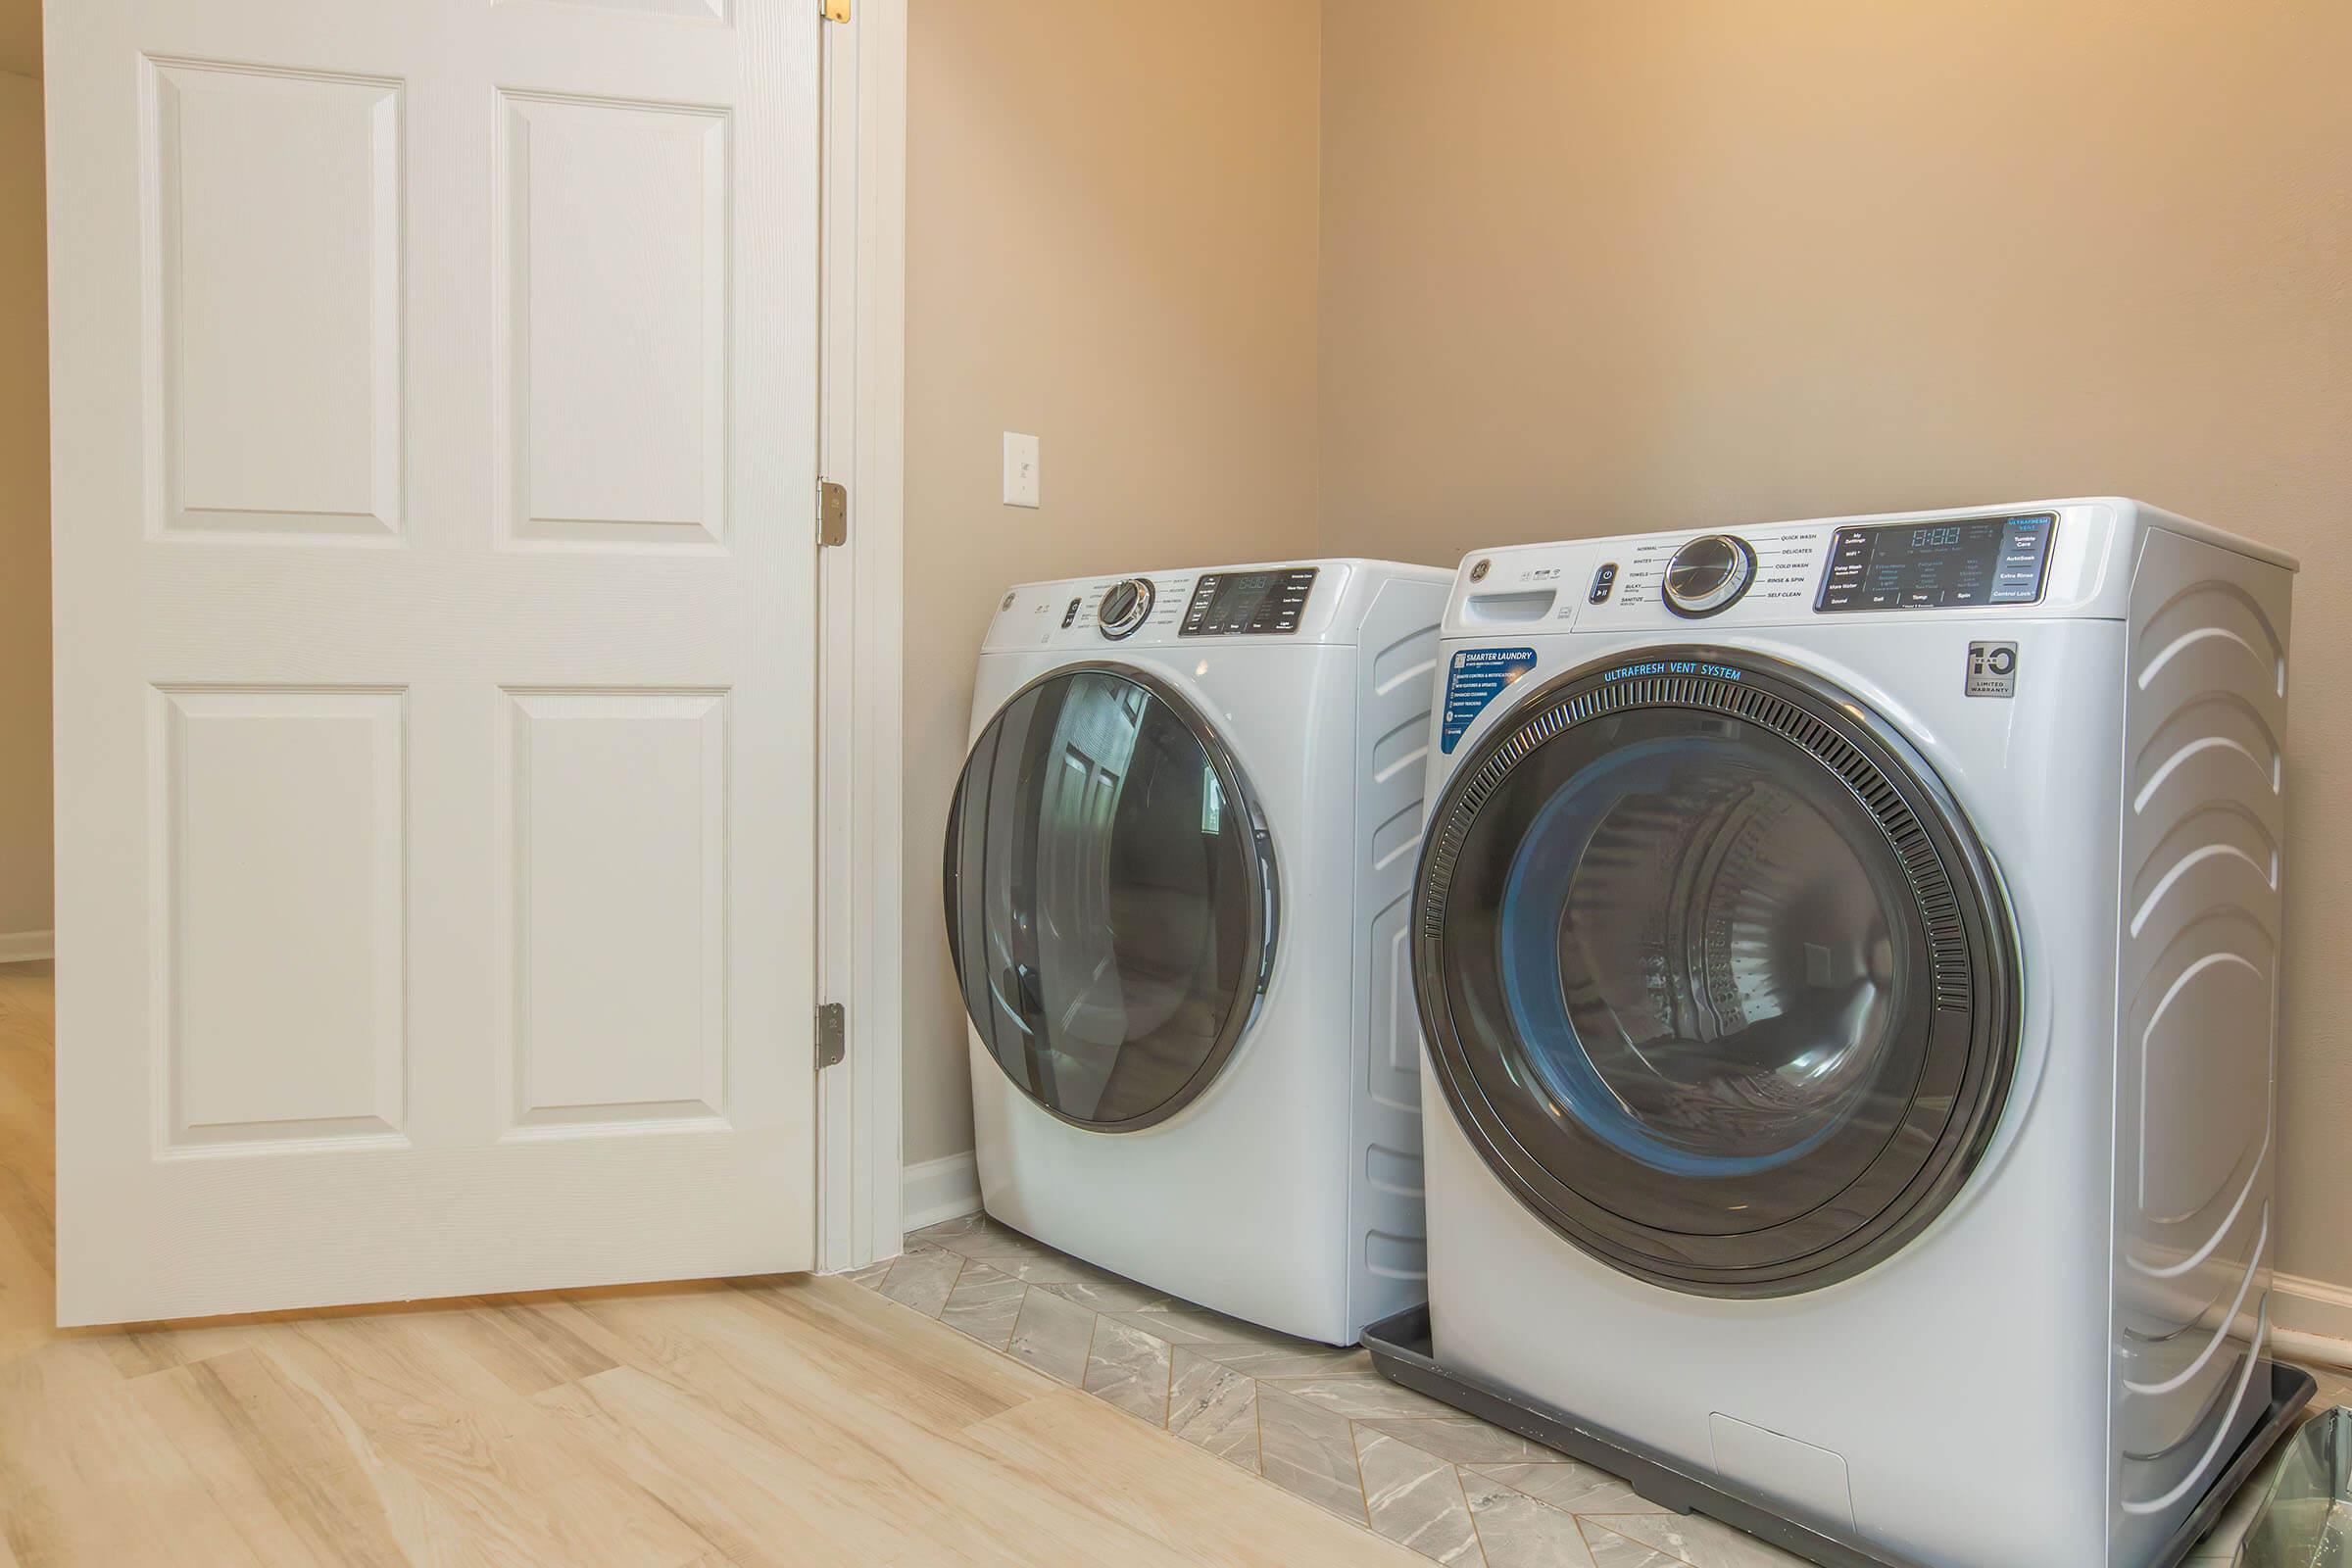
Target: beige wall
[[21, 37], [1111, 245], [25, 865], [1590, 266]]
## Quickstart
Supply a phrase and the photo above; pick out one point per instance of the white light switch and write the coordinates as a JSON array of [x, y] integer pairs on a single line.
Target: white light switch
[[1020, 469]]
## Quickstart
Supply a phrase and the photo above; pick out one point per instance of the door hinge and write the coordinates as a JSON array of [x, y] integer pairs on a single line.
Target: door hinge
[[832, 513], [834, 10], [832, 1035]]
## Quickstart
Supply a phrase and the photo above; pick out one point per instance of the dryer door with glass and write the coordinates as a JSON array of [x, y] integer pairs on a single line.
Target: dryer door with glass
[[1111, 896], [1713, 973]]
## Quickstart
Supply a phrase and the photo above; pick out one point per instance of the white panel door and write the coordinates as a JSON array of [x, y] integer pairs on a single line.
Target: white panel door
[[435, 439]]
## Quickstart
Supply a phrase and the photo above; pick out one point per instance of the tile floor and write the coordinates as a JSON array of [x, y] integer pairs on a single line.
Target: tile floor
[[1317, 1421]]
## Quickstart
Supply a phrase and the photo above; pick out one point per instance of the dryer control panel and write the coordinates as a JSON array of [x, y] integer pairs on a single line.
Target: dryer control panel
[[1280, 602], [1247, 603]]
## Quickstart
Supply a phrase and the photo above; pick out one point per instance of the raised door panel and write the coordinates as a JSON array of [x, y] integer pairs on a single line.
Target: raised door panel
[[280, 907], [685, 10], [618, 846], [274, 320], [613, 237]]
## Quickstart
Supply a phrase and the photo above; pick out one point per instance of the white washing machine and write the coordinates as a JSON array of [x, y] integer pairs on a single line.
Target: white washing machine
[[1177, 871], [1848, 953]]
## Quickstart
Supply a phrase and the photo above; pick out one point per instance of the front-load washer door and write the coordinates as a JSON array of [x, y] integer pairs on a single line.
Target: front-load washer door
[[1111, 896], [1713, 973]]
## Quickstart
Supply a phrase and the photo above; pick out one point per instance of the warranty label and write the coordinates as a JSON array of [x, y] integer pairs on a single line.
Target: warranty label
[[1992, 669]]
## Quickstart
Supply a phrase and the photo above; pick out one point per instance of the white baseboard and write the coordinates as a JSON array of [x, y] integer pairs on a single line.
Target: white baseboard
[[27, 947], [939, 1188], [2311, 1320]]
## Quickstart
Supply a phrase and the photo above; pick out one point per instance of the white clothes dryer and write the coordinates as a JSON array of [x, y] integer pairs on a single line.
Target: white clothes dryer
[[1177, 874]]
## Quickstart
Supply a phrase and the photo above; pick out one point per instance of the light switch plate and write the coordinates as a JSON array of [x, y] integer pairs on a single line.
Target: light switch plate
[[1020, 469]]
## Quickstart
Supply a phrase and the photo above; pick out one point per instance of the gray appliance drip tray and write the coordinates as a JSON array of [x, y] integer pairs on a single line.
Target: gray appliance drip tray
[[1401, 1349], [2305, 1521]]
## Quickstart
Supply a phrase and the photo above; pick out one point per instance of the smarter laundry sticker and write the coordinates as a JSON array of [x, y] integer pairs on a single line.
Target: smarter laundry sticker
[[1476, 677]]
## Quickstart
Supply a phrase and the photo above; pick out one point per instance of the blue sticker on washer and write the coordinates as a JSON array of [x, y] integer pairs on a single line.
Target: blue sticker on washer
[[1475, 678]]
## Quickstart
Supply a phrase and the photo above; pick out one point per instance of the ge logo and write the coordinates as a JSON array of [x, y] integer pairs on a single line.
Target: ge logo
[[1993, 669]]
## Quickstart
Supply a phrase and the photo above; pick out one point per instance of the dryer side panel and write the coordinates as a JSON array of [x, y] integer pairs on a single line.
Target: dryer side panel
[[2197, 1016], [1397, 681]]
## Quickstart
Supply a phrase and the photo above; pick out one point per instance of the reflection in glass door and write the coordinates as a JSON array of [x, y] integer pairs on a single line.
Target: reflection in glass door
[[1110, 911]]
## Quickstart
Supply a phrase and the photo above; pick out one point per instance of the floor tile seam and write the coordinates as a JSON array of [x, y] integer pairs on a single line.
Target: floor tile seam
[[1479, 1535], [1599, 1522], [962, 1263], [1358, 1425], [1364, 1487], [1169, 1422], [1086, 1367]]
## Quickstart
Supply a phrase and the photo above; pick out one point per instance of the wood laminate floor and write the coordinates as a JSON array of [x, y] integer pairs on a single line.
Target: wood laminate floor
[[1051, 1415], [785, 1420]]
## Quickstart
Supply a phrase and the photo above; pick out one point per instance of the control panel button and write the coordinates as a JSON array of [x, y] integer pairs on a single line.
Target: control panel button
[[1126, 605], [1707, 575], [1604, 581]]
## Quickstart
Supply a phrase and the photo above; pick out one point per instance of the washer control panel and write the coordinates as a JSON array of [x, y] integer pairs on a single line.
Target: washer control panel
[[1938, 564], [2040, 559], [1248, 604]]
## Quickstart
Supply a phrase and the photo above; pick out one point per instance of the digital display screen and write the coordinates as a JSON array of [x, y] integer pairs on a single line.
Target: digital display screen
[[1239, 598], [1236, 604], [1974, 562]]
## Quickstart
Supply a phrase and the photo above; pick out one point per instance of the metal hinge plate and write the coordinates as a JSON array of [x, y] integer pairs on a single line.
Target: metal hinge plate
[[832, 1035], [834, 10], [832, 513]]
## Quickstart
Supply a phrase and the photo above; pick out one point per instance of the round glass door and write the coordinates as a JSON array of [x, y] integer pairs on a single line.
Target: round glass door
[[1713, 975], [1109, 896]]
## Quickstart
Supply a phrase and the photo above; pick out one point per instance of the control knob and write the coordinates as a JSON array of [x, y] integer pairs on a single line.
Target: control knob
[[1707, 575], [1126, 605]]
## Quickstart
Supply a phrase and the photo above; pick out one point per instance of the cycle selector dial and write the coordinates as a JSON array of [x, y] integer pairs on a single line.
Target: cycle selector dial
[[1126, 605], [1707, 575]]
